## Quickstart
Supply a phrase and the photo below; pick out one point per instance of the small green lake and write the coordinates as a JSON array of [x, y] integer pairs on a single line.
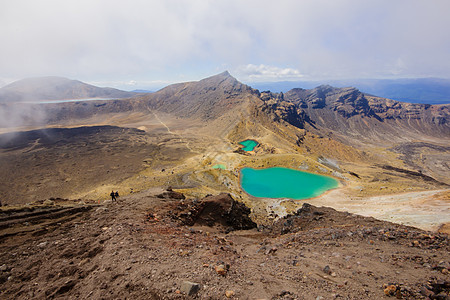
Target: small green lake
[[285, 183], [219, 166], [249, 145]]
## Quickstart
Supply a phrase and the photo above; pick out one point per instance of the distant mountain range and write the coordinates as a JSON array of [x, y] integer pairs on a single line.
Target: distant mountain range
[[347, 111], [419, 90], [56, 88]]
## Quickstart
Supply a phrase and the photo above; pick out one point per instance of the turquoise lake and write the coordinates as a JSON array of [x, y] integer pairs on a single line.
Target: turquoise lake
[[249, 145], [285, 183]]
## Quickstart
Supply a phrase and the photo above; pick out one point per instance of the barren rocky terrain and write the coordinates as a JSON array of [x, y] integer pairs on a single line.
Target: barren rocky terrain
[[155, 245], [61, 238]]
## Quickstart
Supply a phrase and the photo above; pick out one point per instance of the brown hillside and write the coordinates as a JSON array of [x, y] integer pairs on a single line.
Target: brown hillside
[[205, 99]]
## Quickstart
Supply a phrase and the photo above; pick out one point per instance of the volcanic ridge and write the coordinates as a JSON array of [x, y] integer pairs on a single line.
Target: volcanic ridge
[[182, 228]]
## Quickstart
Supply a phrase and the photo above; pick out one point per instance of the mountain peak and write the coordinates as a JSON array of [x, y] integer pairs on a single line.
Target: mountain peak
[[223, 80], [207, 98], [221, 76], [225, 74]]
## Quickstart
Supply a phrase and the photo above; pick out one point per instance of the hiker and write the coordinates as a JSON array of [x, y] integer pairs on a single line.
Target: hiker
[[113, 196], [116, 195]]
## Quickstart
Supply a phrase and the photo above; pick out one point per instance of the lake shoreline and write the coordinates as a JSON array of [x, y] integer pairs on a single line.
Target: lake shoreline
[[279, 183]]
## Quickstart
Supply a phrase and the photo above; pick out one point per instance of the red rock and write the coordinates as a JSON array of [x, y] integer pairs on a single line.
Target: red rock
[[390, 290], [220, 269]]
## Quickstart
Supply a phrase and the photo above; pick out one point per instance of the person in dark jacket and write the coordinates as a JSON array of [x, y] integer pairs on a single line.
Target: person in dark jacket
[[116, 195], [113, 196]]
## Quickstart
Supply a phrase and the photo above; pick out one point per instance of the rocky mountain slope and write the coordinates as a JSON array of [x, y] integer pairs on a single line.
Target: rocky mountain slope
[[205, 99], [55, 88], [348, 112], [155, 245], [420, 133], [345, 111]]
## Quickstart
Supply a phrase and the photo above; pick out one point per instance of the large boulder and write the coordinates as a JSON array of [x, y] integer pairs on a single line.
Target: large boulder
[[219, 210]]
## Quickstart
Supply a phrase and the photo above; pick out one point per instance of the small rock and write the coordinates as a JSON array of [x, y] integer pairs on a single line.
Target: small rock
[[48, 202], [42, 245], [327, 270], [83, 262], [229, 294], [426, 292], [271, 250], [4, 268], [190, 288], [441, 295], [390, 290], [220, 269]]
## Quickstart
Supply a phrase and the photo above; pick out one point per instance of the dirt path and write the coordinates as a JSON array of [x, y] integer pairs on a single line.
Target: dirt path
[[162, 123], [136, 249], [187, 143]]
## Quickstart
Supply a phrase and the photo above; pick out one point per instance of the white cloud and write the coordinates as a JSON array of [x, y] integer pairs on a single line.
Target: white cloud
[[112, 40], [129, 85], [254, 73]]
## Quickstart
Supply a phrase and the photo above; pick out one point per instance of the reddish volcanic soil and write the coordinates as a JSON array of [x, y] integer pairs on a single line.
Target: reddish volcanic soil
[[149, 247]]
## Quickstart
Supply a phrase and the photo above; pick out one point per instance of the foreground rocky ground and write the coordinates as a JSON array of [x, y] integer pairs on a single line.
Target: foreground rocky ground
[[149, 247]]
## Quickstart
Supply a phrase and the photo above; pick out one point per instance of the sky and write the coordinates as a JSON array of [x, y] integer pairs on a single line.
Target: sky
[[147, 44]]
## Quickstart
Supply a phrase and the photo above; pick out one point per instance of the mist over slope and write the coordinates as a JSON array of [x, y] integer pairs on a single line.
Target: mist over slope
[[55, 88], [204, 100]]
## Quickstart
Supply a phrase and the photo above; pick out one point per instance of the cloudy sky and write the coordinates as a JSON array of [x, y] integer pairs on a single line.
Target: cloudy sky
[[150, 43]]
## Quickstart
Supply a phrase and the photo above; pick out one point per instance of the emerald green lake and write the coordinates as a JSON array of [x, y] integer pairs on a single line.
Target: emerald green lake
[[219, 166], [285, 183], [249, 145]]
